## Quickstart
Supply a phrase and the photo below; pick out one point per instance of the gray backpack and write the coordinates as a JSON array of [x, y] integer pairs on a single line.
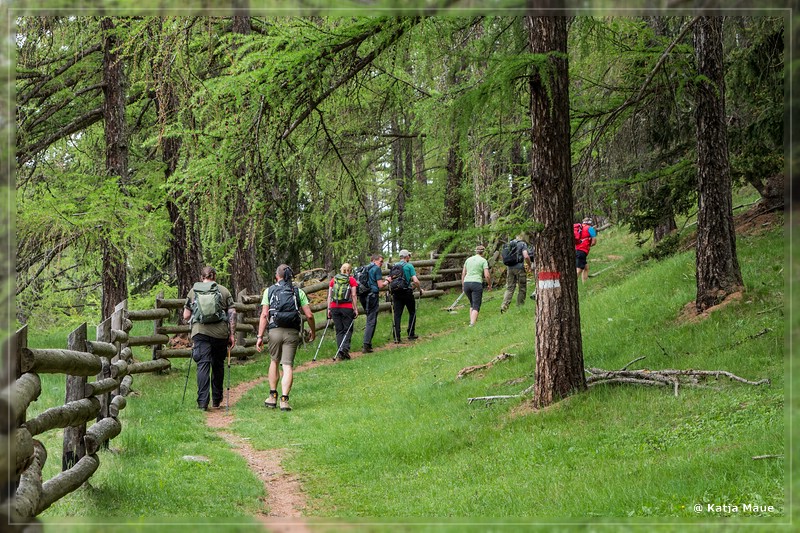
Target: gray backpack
[[207, 307]]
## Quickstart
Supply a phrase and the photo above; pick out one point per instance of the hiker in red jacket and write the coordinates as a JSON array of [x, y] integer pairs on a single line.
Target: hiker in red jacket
[[585, 238]]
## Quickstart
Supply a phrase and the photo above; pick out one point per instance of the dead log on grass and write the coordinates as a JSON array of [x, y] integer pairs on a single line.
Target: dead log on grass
[[470, 369], [661, 378]]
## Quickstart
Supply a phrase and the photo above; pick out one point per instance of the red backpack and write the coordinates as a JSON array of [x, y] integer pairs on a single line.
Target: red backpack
[[577, 232]]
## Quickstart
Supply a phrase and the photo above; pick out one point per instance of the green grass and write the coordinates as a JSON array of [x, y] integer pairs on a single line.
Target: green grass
[[391, 435]]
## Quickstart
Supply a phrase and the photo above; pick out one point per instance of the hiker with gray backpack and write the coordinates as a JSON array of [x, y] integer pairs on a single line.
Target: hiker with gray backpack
[[517, 257], [402, 278], [280, 312], [370, 282], [210, 310], [342, 309]]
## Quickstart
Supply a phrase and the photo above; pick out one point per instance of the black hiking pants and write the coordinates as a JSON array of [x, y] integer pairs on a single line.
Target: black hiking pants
[[209, 353], [370, 304], [343, 321], [401, 299]]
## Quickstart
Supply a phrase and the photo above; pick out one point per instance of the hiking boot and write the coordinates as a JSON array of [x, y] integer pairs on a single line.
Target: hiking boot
[[503, 309], [202, 407], [413, 337], [285, 404], [216, 405], [367, 348], [272, 401]]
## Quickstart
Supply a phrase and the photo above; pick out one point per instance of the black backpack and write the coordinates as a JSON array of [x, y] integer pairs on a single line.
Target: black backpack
[[398, 280], [362, 277], [341, 289], [207, 307], [511, 254], [284, 306]]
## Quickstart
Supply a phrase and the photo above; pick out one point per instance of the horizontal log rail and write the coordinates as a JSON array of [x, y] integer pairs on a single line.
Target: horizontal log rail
[[67, 481], [118, 403], [69, 414], [102, 349], [101, 431], [174, 303], [149, 314], [148, 340], [56, 361], [149, 366], [119, 369], [99, 387], [169, 353]]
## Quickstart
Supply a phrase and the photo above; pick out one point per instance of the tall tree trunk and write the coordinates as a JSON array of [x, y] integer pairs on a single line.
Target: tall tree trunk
[[452, 195], [418, 147], [718, 273], [114, 277], [244, 272], [559, 350], [399, 180], [518, 169], [184, 246], [482, 179]]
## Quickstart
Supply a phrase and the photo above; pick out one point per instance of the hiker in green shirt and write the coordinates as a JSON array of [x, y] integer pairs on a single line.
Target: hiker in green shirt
[[475, 270]]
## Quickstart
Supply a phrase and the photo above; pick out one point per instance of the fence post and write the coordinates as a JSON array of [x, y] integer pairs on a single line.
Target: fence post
[[104, 335], [157, 323], [240, 335], [74, 447]]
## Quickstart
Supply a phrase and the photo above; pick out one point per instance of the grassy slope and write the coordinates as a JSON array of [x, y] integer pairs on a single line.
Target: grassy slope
[[392, 435]]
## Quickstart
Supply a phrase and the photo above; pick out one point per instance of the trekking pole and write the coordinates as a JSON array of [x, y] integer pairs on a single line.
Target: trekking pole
[[187, 379], [416, 310], [327, 323], [228, 398], [344, 339], [450, 309]]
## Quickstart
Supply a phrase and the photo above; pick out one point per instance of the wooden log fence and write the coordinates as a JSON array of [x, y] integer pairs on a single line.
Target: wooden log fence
[[109, 358]]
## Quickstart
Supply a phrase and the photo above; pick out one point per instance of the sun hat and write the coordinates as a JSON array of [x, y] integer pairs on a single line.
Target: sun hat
[[405, 253]]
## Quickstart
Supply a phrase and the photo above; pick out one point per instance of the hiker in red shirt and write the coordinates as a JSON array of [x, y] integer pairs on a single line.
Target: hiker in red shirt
[[585, 237], [343, 309]]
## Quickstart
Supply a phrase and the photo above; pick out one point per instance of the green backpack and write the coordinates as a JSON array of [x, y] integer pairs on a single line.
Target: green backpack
[[341, 289], [207, 307]]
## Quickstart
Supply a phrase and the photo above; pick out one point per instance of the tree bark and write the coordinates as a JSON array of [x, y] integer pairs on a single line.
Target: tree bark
[[452, 199], [114, 277], [184, 243], [559, 351], [399, 181], [718, 273]]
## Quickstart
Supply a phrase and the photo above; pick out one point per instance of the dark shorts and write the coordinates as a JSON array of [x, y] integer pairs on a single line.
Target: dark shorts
[[474, 292], [580, 259]]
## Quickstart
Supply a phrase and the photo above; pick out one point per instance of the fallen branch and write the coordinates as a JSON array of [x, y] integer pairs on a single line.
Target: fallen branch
[[492, 398], [470, 369], [661, 378]]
